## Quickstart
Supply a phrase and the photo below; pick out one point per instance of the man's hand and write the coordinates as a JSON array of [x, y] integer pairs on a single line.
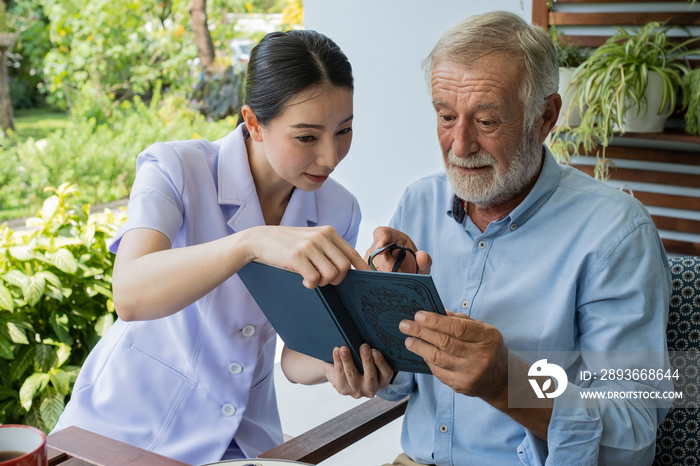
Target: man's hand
[[470, 357], [385, 262], [346, 379], [467, 355]]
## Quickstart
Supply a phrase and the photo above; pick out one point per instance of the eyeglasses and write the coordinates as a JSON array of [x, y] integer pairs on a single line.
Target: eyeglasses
[[399, 256]]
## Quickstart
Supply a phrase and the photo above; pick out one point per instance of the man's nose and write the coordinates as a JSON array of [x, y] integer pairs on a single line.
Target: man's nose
[[466, 139]]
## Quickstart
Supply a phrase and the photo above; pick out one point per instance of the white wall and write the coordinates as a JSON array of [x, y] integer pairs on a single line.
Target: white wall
[[394, 140]]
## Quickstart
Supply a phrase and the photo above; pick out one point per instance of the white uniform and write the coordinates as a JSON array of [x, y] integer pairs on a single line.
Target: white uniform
[[185, 385]]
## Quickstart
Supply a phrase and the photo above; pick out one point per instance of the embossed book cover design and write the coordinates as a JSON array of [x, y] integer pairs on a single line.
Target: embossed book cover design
[[366, 307]]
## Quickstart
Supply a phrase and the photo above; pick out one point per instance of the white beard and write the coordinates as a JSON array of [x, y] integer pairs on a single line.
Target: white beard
[[495, 185]]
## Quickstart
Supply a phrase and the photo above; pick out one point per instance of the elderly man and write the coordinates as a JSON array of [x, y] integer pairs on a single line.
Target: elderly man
[[532, 258]]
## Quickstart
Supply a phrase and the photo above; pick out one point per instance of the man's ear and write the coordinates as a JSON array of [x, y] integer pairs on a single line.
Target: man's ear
[[252, 123], [552, 107]]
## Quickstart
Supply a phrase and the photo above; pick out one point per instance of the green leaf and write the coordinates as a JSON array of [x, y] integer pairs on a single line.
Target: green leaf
[[17, 334], [34, 289], [33, 418], [6, 349], [16, 278], [51, 407], [51, 278], [22, 253], [103, 323], [34, 384], [49, 208], [64, 260], [59, 324], [61, 381], [21, 363], [62, 354], [7, 392], [45, 358], [7, 302], [63, 241]]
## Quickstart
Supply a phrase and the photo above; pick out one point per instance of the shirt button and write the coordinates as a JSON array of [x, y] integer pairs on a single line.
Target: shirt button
[[443, 428], [235, 368], [248, 331], [228, 409], [465, 304], [513, 227], [482, 244]]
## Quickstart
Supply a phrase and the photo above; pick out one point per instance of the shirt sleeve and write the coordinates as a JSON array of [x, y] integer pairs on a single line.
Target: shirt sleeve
[[155, 201], [622, 312], [351, 234]]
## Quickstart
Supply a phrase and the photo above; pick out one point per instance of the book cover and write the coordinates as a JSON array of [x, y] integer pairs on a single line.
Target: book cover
[[366, 307]]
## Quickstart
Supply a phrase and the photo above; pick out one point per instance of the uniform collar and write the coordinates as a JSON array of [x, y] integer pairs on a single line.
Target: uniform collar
[[236, 188], [546, 183]]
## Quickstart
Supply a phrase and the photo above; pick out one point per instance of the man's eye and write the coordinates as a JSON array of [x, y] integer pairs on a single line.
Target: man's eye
[[306, 138], [446, 118], [486, 123]]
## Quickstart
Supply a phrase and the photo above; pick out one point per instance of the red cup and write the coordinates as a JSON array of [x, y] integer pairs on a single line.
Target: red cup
[[22, 446]]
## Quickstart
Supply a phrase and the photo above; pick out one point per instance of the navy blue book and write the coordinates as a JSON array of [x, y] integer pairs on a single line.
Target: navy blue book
[[366, 307]]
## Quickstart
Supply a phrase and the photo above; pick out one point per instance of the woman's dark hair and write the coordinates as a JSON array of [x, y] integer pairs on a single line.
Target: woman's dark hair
[[284, 64]]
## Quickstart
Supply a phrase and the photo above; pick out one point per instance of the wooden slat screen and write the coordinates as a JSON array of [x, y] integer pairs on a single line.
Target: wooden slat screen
[[671, 187]]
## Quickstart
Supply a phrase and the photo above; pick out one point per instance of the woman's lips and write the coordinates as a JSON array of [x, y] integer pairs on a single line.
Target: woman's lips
[[316, 178]]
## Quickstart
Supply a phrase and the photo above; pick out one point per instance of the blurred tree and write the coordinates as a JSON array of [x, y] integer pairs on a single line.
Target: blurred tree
[[292, 15], [7, 40], [202, 37], [105, 52], [26, 63]]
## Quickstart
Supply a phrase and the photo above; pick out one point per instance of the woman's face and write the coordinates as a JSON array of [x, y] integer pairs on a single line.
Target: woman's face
[[310, 137]]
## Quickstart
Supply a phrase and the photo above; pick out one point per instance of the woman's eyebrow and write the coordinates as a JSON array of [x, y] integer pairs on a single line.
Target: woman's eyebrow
[[309, 125]]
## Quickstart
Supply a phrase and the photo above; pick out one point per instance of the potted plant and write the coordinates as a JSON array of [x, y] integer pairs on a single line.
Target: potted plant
[[691, 101], [616, 83], [569, 57]]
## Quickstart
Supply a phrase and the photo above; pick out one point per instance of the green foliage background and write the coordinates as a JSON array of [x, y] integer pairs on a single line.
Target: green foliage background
[[55, 304], [101, 158], [97, 53], [125, 72]]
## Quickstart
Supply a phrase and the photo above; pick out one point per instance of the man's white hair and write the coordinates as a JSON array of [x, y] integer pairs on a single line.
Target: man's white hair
[[507, 34]]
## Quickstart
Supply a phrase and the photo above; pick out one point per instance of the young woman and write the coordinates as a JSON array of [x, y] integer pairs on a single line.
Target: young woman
[[187, 369]]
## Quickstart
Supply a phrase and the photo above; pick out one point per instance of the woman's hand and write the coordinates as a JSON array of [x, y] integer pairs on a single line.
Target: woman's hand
[[346, 379], [151, 280], [319, 254], [385, 262]]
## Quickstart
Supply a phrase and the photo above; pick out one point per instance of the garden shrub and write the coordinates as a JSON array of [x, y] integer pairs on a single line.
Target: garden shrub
[[100, 158], [55, 304]]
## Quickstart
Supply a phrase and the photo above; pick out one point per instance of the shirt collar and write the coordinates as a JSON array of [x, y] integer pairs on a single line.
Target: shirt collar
[[545, 185], [236, 187]]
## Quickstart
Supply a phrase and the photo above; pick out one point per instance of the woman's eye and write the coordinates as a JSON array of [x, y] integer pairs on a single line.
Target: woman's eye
[[345, 131], [306, 138]]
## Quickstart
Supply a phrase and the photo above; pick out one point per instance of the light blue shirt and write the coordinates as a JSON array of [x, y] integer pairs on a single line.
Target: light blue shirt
[[577, 266], [184, 386]]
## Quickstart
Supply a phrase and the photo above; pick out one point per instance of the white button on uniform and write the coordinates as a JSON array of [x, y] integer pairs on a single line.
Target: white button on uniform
[[235, 368], [482, 244], [513, 227], [228, 409], [443, 428], [465, 304], [248, 331]]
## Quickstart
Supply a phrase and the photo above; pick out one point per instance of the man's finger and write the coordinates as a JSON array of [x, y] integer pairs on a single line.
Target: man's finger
[[463, 328]]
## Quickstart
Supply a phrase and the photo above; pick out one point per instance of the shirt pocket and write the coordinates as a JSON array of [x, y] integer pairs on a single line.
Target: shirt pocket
[[139, 395]]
